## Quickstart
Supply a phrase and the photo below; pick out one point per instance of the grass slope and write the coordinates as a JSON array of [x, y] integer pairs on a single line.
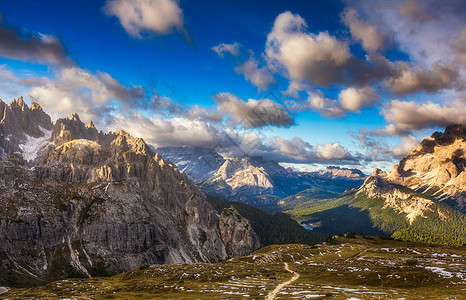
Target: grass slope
[[361, 268], [359, 213]]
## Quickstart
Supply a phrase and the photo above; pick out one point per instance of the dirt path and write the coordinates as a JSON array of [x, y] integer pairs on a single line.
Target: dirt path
[[277, 289]]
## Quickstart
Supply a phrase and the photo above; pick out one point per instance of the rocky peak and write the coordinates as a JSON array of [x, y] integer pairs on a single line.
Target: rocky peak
[[23, 129], [67, 129], [106, 200], [124, 142], [457, 130], [437, 166], [18, 104], [377, 172]]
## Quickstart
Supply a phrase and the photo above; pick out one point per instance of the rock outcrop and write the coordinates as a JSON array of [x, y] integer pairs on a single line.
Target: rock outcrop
[[437, 167], [236, 233], [87, 203]]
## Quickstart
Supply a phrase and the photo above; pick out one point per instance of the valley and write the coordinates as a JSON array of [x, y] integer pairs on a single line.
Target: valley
[[342, 268]]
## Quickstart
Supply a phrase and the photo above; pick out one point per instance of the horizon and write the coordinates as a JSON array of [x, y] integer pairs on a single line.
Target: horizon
[[354, 84]]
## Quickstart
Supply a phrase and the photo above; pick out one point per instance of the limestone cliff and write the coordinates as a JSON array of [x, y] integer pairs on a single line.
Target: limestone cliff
[[437, 167], [86, 203]]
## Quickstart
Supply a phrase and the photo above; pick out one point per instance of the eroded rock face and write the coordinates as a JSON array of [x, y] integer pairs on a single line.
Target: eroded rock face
[[92, 204], [236, 232], [437, 166]]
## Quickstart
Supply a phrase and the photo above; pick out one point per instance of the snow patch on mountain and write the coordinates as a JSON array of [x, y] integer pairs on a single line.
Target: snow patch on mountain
[[32, 145]]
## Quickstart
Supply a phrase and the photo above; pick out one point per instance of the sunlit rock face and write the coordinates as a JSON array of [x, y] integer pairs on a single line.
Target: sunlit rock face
[[87, 203], [437, 167]]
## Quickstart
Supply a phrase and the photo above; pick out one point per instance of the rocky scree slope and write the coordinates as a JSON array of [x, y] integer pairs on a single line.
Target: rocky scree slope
[[90, 203]]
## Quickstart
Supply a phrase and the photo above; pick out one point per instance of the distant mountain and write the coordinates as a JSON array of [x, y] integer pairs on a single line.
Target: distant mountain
[[337, 173], [419, 200], [197, 162], [77, 202], [254, 180]]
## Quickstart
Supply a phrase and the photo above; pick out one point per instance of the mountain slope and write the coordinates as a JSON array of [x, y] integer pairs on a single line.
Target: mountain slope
[[92, 203], [347, 268], [380, 206], [277, 228]]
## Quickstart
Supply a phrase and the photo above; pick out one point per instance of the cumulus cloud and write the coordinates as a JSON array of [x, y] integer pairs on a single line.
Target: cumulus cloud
[[353, 99], [332, 151], [247, 65], [182, 132], [380, 150], [253, 113], [259, 77], [233, 49], [296, 150], [318, 59], [371, 39], [145, 18], [38, 48], [410, 80], [72, 89], [405, 117], [169, 132]]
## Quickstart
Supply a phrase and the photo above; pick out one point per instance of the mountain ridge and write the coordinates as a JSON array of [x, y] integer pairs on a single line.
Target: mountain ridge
[[254, 180], [91, 203]]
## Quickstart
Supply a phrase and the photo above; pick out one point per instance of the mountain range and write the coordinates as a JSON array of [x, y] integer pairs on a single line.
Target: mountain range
[[254, 180], [79, 202]]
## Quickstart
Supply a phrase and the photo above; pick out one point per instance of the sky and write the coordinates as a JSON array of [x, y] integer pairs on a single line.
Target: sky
[[305, 83]]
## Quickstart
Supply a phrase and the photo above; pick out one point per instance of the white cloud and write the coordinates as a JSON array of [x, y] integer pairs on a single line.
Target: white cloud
[[144, 18], [408, 116], [168, 132], [259, 77], [248, 67], [353, 99], [233, 49], [349, 100], [332, 151], [410, 80], [253, 113], [74, 90], [318, 59], [371, 39]]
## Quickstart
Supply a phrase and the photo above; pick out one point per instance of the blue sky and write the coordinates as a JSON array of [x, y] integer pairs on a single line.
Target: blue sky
[[311, 83]]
